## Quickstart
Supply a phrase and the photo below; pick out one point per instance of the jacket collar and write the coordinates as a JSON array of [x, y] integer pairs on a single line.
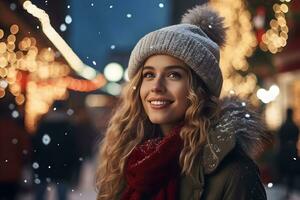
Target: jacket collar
[[238, 124]]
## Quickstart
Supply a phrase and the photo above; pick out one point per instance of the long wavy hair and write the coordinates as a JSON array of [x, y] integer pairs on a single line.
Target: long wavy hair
[[129, 126]]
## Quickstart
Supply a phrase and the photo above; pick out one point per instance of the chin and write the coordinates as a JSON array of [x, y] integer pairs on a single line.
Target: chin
[[160, 120], [156, 121]]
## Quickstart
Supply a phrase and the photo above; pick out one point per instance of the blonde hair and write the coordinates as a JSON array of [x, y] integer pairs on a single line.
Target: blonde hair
[[127, 129]]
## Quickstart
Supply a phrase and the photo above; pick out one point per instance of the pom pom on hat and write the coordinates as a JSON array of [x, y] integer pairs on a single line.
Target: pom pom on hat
[[208, 20]]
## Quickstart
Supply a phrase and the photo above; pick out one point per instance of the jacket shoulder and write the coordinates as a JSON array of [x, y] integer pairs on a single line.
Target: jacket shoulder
[[237, 177]]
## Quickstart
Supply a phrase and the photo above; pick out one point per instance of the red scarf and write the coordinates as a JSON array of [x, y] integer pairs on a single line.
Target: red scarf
[[152, 169]]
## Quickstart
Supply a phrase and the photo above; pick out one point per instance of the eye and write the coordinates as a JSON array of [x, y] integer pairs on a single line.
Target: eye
[[174, 75], [148, 75]]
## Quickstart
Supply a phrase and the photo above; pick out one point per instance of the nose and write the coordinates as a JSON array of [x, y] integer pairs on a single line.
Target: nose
[[158, 85]]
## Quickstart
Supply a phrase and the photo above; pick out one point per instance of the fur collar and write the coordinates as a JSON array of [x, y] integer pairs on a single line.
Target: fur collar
[[238, 124]]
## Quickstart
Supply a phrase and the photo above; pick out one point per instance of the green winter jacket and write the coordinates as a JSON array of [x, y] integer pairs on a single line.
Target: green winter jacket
[[225, 170]]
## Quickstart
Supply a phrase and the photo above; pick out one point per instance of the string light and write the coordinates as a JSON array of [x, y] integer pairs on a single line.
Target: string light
[[240, 44], [275, 38], [23, 67]]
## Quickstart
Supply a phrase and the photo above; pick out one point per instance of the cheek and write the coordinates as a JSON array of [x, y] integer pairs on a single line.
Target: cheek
[[183, 97], [142, 92]]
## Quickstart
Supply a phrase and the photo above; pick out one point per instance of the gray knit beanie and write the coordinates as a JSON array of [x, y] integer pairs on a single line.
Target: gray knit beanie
[[195, 41]]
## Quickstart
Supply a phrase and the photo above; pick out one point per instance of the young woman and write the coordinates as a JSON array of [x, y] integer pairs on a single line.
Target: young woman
[[171, 137]]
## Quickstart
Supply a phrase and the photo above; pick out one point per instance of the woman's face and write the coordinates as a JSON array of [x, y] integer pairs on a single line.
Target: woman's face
[[164, 90]]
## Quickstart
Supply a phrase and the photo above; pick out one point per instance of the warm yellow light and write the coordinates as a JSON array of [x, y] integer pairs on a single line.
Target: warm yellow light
[[281, 21], [12, 58], [33, 52], [2, 93], [14, 29], [27, 40], [276, 8], [273, 24], [20, 99], [275, 38], [284, 35], [263, 46], [11, 47], [11, 38], [2, 47], [43, 72], [3, 72], [3, 62], [285, 29], [284, 8], [33, 41], [19, 55], [23, 45], [47, 55], [1, 33]]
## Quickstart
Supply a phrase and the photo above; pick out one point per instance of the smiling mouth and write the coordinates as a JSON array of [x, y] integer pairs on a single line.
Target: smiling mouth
[[159, 104]]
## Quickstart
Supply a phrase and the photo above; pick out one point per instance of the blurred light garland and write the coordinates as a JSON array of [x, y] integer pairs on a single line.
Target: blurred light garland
[[25, 70], [240, 44], [275, 38]]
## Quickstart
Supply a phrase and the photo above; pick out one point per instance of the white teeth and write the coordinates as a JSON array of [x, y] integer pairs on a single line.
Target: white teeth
[[159, 102]]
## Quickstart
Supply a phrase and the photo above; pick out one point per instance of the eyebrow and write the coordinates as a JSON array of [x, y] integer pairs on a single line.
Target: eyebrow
[[169, 67]]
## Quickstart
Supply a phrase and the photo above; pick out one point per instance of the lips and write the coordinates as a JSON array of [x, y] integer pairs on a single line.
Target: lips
[[159, 103]]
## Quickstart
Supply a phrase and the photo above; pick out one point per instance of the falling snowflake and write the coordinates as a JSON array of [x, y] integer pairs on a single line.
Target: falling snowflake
[[46, 139], [270, 185], [112, 47], [70, 112], [128, 15], [13, 6], [35, 165], [111, 6], [92, 4], [15, 114], [94, 62], [37, 181], [68, 19], [63, 27], [14, 141], [161, 5], [68, 6], [11, 106]]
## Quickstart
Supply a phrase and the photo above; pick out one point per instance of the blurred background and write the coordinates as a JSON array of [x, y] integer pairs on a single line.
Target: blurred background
[[63, 63]]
